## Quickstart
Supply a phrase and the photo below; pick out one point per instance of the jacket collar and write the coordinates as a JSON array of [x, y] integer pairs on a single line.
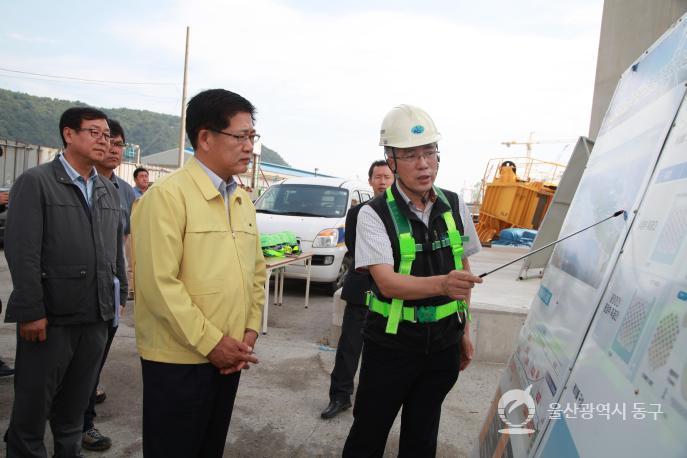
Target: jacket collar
[[201, 179], [63, 177], [60, 173], [114, 179], [99, 188]]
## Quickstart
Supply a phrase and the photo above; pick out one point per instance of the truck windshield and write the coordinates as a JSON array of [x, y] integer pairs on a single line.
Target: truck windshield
[[304, 200]]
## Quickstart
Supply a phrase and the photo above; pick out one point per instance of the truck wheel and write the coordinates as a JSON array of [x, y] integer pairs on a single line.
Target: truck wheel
[[346, 265]]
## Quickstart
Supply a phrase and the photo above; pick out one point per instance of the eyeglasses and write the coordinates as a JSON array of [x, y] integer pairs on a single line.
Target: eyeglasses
[[239, 138], [428, 155], [118, 144], [96, 134]]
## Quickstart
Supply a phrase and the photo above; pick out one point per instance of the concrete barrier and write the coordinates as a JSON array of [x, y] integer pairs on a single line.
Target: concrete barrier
[[338, 307], [494, 330]]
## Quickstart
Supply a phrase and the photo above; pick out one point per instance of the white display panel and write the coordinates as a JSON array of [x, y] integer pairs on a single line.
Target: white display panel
[[636, 327], [635, 358]]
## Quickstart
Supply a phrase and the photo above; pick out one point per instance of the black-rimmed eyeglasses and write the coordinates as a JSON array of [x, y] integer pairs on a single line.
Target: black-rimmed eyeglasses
[[96, 134], [239, 137]]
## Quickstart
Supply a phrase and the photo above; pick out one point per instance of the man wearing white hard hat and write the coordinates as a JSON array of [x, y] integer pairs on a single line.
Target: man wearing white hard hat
[[415, 241]]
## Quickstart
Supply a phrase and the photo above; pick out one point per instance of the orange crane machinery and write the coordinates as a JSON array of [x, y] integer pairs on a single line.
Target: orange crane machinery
[[516, 192]]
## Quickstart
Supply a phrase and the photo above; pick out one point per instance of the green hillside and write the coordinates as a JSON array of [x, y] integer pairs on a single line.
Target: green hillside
[[35, 120]]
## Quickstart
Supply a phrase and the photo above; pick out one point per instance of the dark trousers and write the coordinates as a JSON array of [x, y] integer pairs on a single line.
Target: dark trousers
[[89, 415], [347, 353], [52, 381], [390, 379], [186, 409]]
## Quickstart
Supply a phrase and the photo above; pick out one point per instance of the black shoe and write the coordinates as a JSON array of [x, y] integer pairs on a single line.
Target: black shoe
[[335, 408], [100, 395], [5, 370]]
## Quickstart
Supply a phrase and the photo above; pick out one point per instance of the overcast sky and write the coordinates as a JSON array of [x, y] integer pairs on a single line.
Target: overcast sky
[[323, 74]]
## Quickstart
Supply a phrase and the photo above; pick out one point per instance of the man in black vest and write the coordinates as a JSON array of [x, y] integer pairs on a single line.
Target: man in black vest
[[356, 284], [64, 251], [413, 242]]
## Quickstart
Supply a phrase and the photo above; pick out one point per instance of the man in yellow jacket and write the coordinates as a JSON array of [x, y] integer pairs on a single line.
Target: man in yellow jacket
[[200, 277]]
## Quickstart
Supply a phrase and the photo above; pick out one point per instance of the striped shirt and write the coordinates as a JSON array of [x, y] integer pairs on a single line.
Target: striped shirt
[[373, 246]]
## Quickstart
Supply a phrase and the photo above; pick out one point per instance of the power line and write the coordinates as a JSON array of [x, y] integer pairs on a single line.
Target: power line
[[127, 91], [87, 80]]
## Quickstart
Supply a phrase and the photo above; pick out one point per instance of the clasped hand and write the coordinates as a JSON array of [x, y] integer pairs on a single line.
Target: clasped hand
[[231, 355]]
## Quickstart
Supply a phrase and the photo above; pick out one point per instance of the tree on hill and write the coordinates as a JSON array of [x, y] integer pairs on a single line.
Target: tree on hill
[[35, 120]]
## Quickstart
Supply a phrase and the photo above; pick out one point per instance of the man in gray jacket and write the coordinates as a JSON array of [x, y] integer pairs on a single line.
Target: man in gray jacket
[[93, 439], [64, 251]]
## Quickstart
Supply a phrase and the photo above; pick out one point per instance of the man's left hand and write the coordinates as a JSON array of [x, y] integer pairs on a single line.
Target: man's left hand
[[249, 338], [467, 350]]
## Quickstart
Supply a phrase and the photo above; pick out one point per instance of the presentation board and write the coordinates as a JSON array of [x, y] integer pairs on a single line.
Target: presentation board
[[574, 331]]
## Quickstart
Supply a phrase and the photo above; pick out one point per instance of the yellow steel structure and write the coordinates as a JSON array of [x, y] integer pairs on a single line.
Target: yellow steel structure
[[509, 200]]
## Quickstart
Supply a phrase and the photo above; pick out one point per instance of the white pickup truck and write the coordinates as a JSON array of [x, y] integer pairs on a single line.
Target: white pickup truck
[[315, 210]]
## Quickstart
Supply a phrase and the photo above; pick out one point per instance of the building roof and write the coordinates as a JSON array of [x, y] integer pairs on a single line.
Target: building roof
[[290, 171], [327, 181], [170, 159]]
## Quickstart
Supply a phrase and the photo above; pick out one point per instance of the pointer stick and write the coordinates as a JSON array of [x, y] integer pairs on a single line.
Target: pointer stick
[[618, 213]]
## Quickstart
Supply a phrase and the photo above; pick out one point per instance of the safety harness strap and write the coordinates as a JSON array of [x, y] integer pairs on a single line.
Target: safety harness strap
[[395, 312], [456, 242], [429, 314], [406, 243]]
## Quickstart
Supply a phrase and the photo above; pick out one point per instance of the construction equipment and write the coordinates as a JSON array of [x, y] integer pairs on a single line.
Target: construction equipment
[[516, 192], [531, 141]]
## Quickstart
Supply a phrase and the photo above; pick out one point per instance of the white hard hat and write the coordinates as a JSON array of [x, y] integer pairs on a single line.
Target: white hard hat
[[406, 126]]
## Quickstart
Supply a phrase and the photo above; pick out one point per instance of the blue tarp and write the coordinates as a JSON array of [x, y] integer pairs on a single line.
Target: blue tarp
[[516, 237]]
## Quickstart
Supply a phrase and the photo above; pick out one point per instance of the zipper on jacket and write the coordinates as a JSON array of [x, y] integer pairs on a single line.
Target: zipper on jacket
[[227, 206], [442, 251], [428, 255], [427, 344], [246, 297]]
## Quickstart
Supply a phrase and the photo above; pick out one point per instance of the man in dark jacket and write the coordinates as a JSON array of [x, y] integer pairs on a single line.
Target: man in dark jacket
[[93, 439], [64, 251], [356, 284]]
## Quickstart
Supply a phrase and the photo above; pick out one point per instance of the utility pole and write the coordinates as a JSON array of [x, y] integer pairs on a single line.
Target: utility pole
[[182, 130], [255, 175]]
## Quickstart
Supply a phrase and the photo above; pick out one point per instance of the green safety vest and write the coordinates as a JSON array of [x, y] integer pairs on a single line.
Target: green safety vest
[[395, 312]]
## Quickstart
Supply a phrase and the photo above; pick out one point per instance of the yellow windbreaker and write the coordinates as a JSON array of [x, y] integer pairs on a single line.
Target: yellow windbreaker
[[199, 274]]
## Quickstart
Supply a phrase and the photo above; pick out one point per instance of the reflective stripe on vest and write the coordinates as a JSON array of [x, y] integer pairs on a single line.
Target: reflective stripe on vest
[[407, 247]]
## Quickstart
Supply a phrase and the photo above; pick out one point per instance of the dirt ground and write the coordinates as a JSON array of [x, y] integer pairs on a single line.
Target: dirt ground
[[279, 401]]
